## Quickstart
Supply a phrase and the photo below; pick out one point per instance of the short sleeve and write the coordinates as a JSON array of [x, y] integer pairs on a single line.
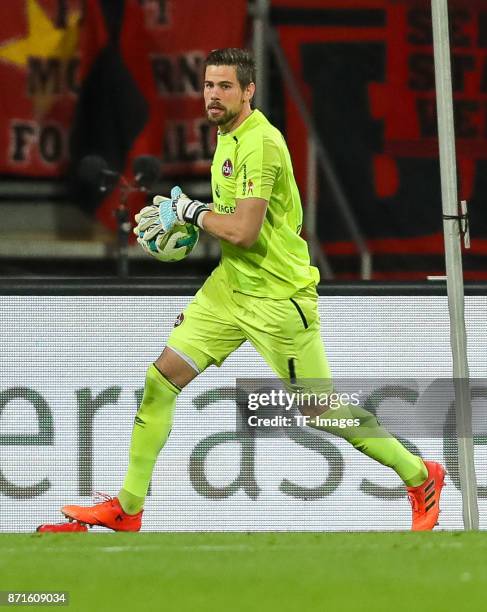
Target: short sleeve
[[258, 165]]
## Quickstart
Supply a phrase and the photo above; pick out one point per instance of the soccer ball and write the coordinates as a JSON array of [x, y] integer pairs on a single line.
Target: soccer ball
[[175, 244]]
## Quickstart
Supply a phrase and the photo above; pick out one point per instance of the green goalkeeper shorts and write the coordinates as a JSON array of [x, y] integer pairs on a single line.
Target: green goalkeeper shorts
[[286, 332]]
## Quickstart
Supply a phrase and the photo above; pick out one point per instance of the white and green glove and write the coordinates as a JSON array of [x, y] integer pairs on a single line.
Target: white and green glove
[[148, 224], [179, 210], [149, 231], [156, 222]]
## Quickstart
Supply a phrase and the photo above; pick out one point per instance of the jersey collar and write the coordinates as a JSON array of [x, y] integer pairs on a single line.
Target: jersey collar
[[254, 118]]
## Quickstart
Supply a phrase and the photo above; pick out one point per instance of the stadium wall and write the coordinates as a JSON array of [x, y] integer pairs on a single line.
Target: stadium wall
[[73, 362]]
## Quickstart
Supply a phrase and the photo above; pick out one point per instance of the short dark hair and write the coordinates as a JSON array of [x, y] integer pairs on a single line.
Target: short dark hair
[[240, 58]]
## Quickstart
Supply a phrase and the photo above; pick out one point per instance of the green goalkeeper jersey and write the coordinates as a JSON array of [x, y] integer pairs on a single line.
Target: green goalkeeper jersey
[[253, 162]]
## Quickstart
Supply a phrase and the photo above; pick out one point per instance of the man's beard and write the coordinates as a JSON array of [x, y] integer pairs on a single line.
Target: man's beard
[[225, 117]]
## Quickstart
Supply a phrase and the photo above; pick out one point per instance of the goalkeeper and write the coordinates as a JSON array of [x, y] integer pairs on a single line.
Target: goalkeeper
[[264, 291]]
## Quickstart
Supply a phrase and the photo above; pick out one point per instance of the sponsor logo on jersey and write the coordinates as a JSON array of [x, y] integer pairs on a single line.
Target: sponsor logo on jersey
[[179, 319], [217, 190], [250, 187], [227, 168], [224, 208], [244, 178]]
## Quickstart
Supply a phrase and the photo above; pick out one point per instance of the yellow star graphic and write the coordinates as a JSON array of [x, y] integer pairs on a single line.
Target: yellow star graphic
[[43, 42]]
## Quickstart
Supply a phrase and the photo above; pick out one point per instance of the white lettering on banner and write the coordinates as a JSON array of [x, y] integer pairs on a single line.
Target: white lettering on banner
[[72, 370]]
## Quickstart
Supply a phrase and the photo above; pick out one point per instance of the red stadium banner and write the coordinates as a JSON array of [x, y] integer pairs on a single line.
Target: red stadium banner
[[39, 71], [181, 34], [366, 68]]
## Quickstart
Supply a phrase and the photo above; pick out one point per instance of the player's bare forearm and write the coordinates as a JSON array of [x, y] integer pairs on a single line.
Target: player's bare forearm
[[225, 228], [240, 228]]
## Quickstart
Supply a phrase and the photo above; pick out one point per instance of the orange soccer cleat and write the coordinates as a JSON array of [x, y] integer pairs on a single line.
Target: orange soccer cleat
[[106, 513], [425, 499], [62, 528]]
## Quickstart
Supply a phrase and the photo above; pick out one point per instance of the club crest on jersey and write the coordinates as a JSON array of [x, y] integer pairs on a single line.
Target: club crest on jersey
[[227, 168], [179, 319], [250, 187]]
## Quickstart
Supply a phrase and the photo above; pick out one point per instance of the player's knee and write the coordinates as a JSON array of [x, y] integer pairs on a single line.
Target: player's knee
[[312, 409], [314, 400], [175, 368]]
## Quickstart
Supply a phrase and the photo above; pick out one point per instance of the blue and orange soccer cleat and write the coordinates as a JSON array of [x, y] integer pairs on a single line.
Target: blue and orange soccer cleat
[[425, 499], [106, 513]]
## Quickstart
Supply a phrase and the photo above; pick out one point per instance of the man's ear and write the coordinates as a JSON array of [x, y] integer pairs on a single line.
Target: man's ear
[[250, 91]]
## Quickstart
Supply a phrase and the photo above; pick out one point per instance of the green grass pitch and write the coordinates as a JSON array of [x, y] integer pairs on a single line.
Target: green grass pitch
[[233, 572]]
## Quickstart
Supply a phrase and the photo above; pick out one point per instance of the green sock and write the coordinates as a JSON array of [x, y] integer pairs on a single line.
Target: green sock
[[152, 426], [374, 441], [131, 504]]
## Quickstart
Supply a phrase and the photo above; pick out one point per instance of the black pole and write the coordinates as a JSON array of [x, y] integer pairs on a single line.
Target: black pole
[[123, 230]]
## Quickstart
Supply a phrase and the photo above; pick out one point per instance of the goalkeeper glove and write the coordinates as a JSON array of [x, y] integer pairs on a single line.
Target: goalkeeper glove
[[152, 237], [148, 224], [179, 209]]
